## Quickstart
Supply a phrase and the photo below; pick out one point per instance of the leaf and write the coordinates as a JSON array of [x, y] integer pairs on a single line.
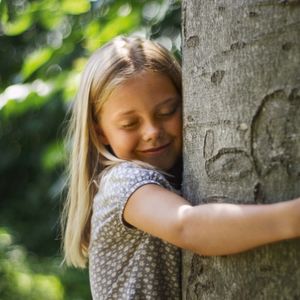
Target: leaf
[[118, 25], [35, 60], [3, 11], [76, 7], [17, 27], [17, 108]]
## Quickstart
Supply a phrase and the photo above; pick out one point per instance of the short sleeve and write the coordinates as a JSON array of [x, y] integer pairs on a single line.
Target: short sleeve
[[119, 183]]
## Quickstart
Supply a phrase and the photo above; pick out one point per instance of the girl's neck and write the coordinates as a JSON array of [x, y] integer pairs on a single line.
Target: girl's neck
[[175, 172]]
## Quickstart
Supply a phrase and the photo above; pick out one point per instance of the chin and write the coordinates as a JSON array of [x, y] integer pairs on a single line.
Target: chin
[[164, 166]]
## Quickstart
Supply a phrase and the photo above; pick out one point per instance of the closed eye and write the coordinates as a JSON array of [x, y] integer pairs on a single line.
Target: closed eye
[[129, 125], [169, 112]]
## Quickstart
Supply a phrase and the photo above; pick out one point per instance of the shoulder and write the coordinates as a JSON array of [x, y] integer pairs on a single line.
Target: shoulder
[[131, 172], [119, 182], [125, 177]]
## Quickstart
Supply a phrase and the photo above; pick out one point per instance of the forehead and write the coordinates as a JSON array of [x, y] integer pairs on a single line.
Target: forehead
[[145, 90]]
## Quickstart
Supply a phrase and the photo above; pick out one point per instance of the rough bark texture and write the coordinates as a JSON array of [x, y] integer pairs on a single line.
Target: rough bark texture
[[241, 66]]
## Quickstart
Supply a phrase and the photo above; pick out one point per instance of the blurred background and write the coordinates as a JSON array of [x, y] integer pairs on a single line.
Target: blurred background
[[43, 48]]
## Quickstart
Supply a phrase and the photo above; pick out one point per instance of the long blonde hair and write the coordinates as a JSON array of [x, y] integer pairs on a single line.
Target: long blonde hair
[[108, 67]]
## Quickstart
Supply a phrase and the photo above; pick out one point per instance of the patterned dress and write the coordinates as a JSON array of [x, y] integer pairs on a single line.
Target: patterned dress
[[124, 262]]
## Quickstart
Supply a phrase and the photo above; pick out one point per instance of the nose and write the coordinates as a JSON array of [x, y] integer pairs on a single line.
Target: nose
[[151, 132]]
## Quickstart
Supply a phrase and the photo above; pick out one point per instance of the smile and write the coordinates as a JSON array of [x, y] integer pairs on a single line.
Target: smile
[[156, 150]]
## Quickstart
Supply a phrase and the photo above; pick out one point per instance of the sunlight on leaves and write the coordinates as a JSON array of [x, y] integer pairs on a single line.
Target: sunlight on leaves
[[15, 108], [75, 7], [24, 282], [35, 60], [18, 26], [115, 27], [5, 238], [51, 284], [124, 10], [50, 19], [21, 92], [92, 29], [49, 13], [151, 10], [36, 286], [119, 25], [18, 279], [71, 86]]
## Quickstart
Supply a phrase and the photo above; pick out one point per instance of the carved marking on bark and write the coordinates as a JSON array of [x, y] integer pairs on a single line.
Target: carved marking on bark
[[216, 199], [196, 268], [287, 46], [217, 77], [266, 268], [190, 118], [208, 148], [229, 164], [253, 14], [206, 287], [213, 124], [192, 41], [235, 46], [238, 45], [292, 142], [289, 2], [259, 196], [198, 282], [275, 134], [267, 132]]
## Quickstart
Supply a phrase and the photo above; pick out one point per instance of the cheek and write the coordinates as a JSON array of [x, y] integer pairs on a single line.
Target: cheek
[[176, 126], [123, 142]]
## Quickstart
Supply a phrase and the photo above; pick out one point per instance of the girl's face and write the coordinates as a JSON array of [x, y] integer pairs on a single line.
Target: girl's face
[[141, 120]]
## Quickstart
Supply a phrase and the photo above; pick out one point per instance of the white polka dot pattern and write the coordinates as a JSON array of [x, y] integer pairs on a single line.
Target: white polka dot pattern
[[124, 262]]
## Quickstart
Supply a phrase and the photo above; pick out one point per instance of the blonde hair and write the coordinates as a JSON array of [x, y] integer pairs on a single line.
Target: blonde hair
[[107, 68]]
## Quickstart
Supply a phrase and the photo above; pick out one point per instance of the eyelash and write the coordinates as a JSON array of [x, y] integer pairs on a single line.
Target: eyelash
[[160, 115], [169, 113], [129, 125]]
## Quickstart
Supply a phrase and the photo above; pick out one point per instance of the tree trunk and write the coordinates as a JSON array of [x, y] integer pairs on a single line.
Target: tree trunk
[[241, 77]]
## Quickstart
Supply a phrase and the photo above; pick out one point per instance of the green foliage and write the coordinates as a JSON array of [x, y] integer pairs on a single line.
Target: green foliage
[[35, 60], [75, 7], [44, 46], [18, 280]]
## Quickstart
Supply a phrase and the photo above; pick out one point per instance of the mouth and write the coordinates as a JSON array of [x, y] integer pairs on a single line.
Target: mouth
[[156, 150]]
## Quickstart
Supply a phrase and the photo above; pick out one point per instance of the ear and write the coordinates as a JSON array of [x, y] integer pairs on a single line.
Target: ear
[[101, 135]]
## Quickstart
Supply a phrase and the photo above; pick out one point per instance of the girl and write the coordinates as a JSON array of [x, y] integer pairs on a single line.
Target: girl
[[124, 213]]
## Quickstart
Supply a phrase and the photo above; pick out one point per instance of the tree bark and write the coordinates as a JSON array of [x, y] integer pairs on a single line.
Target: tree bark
[[241, 78]]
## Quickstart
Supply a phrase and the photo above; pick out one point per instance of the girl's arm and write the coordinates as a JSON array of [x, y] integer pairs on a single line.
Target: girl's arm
[[211, 229]]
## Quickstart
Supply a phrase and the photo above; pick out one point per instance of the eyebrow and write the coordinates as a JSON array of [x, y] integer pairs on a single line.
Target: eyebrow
[[164, 102]]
